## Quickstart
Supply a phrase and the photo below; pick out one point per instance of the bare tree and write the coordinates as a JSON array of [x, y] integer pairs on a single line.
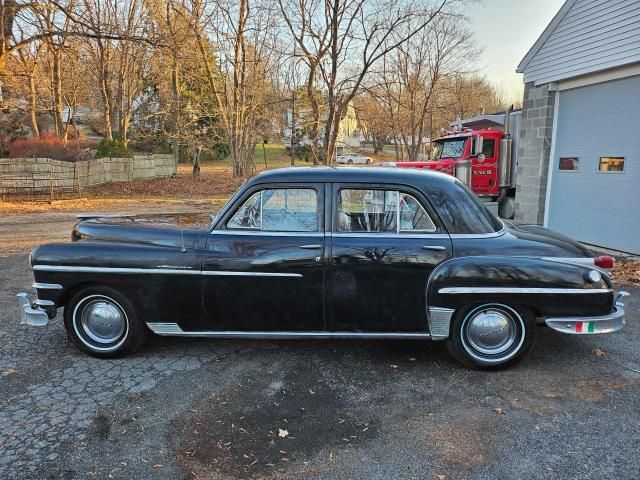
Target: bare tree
[[347, 38]]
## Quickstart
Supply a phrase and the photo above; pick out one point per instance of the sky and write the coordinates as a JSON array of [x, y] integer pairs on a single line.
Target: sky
[[506, 30]]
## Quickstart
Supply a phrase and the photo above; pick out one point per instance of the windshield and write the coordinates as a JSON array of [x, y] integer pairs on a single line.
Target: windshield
[[450, 148]]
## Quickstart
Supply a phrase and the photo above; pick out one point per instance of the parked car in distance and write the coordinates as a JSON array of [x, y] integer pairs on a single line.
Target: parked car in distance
[[376, 253], [353, 159]]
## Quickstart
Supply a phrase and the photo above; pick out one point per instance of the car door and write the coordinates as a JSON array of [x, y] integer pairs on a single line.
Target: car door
[[263, 265], [385, 242]]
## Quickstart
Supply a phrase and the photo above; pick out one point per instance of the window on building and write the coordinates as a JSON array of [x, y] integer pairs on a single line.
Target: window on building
[[381, 211], [611, 164], [569, 164], [278, 210]]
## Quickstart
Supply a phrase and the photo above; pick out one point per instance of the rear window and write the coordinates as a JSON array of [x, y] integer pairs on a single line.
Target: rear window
[[463, 212]]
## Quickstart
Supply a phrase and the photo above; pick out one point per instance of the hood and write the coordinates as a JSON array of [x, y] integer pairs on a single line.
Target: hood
[[179, 230]]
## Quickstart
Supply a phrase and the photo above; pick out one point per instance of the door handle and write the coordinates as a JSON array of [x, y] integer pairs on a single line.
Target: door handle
[[433, 247], [311, 247]]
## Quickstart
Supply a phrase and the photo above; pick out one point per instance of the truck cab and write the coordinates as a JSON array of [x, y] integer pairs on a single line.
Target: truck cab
[[482, 158]]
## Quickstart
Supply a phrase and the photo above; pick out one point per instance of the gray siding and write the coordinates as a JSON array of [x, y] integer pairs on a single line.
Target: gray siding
[[598, 208], [594, 35]]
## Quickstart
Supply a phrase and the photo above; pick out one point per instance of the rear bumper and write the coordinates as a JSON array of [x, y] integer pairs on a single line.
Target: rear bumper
[[612, 322]]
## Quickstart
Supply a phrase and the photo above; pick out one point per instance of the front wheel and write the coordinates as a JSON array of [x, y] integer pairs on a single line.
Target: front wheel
[[491, 335], [101, 322]]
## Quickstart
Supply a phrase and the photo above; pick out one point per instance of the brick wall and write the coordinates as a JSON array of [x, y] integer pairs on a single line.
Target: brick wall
[[534, 150]]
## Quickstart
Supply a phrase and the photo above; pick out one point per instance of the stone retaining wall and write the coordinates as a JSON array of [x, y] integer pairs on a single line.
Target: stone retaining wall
[[34, 176]]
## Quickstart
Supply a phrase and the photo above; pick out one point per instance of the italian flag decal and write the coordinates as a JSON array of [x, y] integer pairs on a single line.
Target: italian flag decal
[[585, 327]]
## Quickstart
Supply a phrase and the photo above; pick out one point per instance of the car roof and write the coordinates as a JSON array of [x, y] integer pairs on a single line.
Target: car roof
[[408, 176]]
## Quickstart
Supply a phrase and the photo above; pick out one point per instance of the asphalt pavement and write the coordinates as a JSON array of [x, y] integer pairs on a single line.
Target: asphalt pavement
[[209, 409]]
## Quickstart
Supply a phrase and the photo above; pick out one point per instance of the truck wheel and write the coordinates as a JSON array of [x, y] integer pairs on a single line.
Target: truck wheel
[[350, 162], [101, 322], [507, 208], [491, 335]]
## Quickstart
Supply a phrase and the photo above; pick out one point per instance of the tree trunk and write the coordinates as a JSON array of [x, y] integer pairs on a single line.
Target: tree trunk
[[33, 96], [57, 94], [196, 161], [175, 84]]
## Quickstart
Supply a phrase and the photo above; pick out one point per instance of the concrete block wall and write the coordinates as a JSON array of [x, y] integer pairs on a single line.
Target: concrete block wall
[[41, 175], [534, 151]]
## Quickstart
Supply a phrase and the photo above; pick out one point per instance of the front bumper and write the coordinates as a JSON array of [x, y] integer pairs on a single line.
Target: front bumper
[[609, 323], [32, 313]]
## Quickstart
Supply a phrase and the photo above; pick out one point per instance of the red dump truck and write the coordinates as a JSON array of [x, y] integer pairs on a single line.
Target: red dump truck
[[484, 158]]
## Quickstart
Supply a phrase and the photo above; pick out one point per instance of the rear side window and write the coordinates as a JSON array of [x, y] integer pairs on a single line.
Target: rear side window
[[462, 211], [384, 211], [278, 210]]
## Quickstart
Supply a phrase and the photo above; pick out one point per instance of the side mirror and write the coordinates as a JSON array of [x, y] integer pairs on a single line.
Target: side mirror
[[477, 145]]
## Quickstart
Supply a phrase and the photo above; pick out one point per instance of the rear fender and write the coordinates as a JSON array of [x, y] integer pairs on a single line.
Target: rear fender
[[549, 289]]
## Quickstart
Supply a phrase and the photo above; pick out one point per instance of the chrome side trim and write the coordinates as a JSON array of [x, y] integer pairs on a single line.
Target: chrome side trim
[[267, 234], [157, 271], [425, 236], [579, 262], [47, 286], [526, 290], [439, 319], [226, 273], [174, 330], [44, 303]]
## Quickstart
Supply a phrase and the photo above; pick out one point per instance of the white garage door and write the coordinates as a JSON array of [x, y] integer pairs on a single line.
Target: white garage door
[[595, 183]]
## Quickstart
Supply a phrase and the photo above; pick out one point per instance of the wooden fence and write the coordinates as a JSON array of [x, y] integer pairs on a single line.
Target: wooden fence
[[33, 177]]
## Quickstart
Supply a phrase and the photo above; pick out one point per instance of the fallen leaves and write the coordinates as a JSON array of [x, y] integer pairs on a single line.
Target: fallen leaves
[[283, 433], [627, 271], [598, 352], [500, 411], [8, 371]]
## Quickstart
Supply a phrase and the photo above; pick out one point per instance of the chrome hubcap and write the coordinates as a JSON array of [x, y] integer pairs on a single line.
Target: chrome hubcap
[[103, 321], [491, 331]]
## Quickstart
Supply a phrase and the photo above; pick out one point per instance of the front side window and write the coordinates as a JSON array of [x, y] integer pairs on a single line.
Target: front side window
[[278, 210], [489, 148], [381, 211]]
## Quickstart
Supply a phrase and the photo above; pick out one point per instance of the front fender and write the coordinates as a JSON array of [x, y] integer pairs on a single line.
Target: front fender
[[548, 288]]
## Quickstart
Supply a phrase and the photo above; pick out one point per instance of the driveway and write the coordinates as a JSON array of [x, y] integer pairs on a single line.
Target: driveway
[[208, 409]]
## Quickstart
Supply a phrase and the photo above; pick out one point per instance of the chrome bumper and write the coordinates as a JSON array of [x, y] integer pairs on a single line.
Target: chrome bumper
[[31, 313], [611, 322]]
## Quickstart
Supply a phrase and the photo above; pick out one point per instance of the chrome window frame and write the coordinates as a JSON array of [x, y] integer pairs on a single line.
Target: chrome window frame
[[382, 234]]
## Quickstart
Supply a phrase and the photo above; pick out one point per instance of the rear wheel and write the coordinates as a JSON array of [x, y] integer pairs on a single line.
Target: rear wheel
[[101, 322], [350, 162], [491, 335]]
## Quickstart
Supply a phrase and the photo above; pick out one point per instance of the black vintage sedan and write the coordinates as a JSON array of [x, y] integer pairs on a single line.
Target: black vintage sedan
[[374, 253]]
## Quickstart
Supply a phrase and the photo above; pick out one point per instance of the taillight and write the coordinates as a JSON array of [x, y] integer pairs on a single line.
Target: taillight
[[604, 261]]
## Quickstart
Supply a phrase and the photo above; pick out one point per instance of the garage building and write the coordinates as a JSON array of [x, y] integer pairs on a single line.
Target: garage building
[[579, 151]]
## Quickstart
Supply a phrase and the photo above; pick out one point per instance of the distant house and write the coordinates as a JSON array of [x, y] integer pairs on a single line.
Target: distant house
[[579, 152], [349, 134]]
